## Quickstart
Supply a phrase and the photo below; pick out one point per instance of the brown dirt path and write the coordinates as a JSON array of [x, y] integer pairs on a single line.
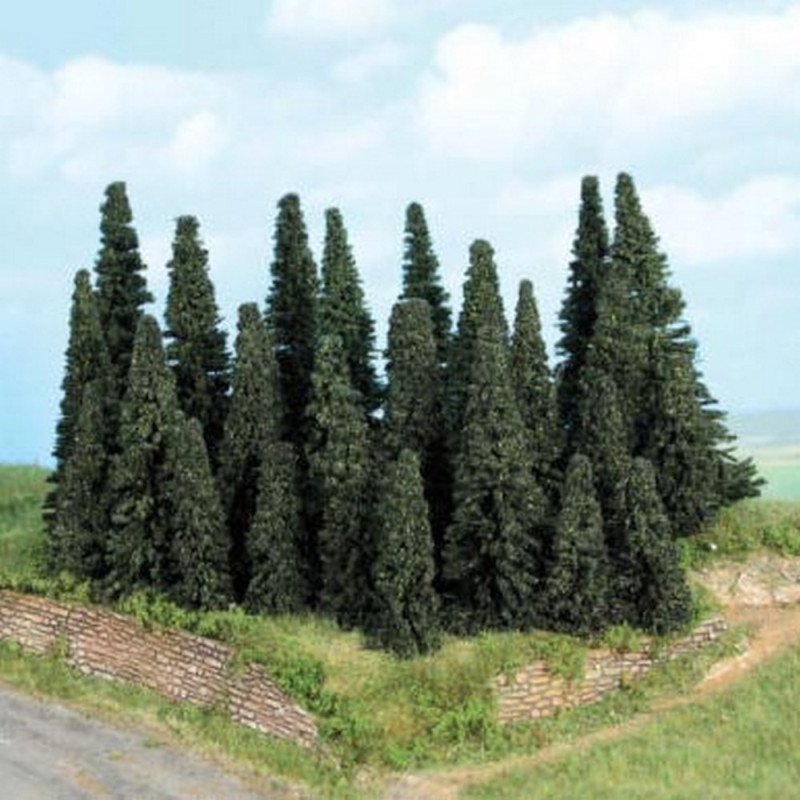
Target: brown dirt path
[[763, 593]]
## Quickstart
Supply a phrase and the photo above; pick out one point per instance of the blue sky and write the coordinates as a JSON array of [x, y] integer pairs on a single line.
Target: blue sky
[[488, 113]]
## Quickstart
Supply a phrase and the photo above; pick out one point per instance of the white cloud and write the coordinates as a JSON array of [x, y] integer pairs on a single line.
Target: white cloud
[[330, 147], [197, 139], [363, 65], [758, 219], [606, 81], [329, 19], [92, 116]]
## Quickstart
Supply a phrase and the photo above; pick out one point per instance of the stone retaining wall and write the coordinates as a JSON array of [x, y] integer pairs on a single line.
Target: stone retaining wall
[[533, 692], [177, 665]]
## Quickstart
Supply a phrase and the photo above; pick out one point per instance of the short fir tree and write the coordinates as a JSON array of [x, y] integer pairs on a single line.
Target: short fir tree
[[78, 527], [198, 537], [405, 620], [279, 583], [576, 595], [652, 584]]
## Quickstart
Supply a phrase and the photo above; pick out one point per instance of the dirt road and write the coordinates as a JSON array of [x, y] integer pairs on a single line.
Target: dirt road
[[48, 752]]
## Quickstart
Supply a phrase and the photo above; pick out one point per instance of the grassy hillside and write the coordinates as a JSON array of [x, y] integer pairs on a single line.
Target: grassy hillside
[[740, 745], [22, 489]]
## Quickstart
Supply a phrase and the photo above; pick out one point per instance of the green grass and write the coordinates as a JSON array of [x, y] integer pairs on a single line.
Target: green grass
[[742, 744], [22, 489], [375, 712]]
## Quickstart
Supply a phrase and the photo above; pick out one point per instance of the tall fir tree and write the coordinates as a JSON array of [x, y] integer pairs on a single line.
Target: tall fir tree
[[652, 585], [339, 459], [406, 606], [196, 346], [494, 545], [139, 542], [292, 315], [343, 311], [421, 278], [121, 285], [413, 414], [482, 305], [578, 315], [86, 360], [533, 385], [578, 581], [664, 395], [78, 527], [254, 421], [279, 582], [200, 576]]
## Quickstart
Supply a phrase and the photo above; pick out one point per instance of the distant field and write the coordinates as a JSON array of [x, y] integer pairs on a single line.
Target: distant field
[[772, 439]]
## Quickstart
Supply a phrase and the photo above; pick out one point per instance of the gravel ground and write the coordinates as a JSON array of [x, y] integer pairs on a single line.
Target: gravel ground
[[50, 753]]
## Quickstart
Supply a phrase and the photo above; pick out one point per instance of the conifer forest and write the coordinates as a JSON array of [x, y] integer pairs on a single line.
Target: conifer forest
[[473, 486]]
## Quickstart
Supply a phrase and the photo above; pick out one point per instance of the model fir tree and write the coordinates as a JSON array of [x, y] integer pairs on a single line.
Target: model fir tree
[[578, 315], [139, 540], [279, 583], [492, 559], [196, 348], [121, 286], [405, 619], [533, 385], [576, 595], [343, 311], [421, 278], [78, 521], [86, 361], [253, 423], [339, 460], [292, 315], [198, 536]]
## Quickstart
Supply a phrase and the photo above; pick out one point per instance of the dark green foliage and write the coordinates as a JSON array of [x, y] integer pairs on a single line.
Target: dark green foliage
[[579, 311], [340, 472], [78, 526], [278, 584], [406, 614], [533, 386], [139, 543], [86, 360], [292, 314], [493, 547], [196, 348], [482, 305], [253, 422], [198, 538], [652, 585], [121, 286], [600, 436], [421, 277], [343, 312], [578, 580], [412, 416]]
